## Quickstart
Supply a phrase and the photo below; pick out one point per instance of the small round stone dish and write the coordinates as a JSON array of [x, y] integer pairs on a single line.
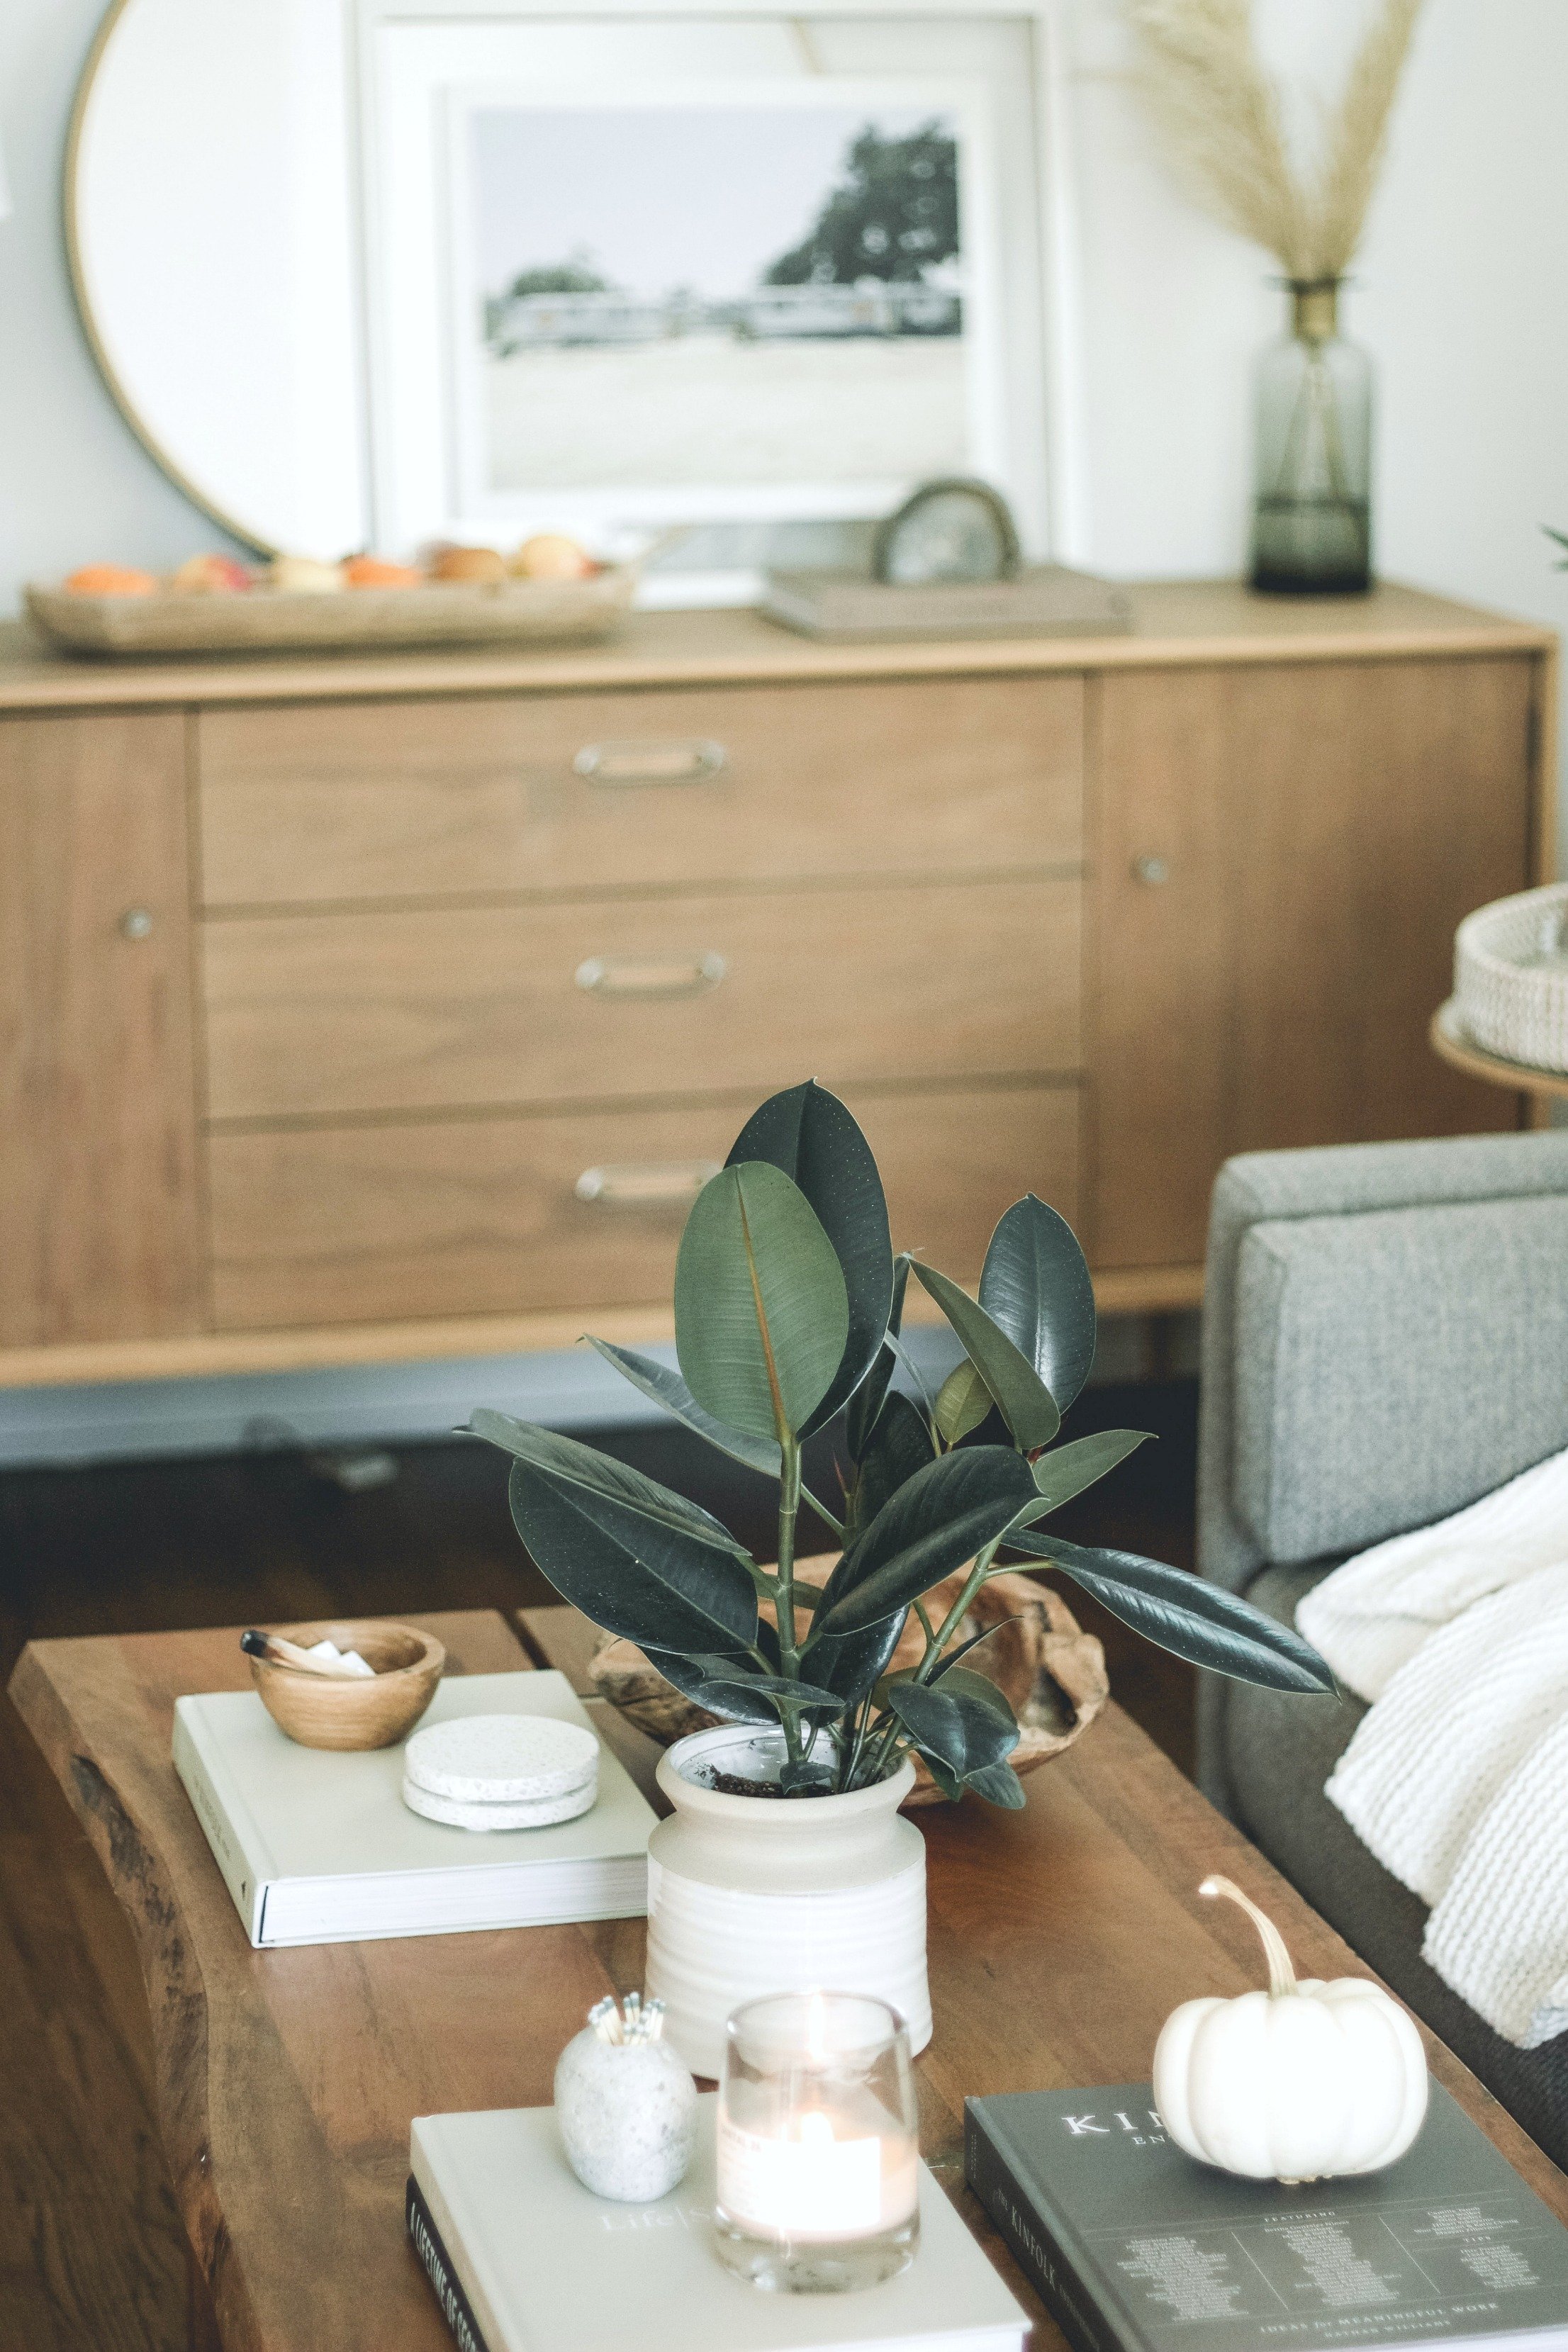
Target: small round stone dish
[[372, 1710]]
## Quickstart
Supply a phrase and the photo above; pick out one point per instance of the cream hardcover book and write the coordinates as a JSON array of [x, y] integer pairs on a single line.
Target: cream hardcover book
[[523, 2259], [317, 1846]]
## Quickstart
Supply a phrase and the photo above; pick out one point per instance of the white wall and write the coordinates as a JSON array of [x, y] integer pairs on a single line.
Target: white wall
[[1462, 296]]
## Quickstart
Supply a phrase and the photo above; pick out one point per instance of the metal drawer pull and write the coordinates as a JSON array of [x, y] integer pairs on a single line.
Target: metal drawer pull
[[646, 1184], [637, 976], [1151, 870], [693, 762]]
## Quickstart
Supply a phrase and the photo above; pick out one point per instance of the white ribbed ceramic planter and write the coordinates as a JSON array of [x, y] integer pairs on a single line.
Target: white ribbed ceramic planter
[[748, 1896]]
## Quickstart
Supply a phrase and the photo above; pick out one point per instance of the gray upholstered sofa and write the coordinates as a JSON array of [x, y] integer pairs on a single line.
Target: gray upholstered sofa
[[1385, 1338]]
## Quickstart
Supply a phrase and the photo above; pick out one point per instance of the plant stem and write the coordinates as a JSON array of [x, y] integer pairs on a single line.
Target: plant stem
[[937, 1642], [883, 1754], [789, 1652]]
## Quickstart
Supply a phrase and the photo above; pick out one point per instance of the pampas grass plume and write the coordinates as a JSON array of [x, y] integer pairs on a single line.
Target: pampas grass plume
[[1219, 115]]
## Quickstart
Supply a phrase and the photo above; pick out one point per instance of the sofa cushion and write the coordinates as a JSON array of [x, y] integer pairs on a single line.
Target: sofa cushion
[[1277, 1751], [1393, 1365]]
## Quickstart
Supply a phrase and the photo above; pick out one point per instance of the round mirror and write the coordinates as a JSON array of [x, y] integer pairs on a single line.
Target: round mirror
[[210, 223]]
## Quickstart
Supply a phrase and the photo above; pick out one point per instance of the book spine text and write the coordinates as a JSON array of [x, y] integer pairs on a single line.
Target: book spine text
[[454, 2303], [1033, 2245]]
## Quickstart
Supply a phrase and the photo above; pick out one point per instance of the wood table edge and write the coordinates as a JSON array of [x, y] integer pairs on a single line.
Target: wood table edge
[[180, 2011], [175, 2001]]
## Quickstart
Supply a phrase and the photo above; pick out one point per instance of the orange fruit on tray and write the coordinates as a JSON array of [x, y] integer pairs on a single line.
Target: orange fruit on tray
[[371, 572], [111, 580]]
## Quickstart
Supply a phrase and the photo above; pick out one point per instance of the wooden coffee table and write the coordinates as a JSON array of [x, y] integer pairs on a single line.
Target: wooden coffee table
[[1060, 1937]]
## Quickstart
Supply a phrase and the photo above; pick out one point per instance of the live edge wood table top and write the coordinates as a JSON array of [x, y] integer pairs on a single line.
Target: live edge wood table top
[[1060, 1937]]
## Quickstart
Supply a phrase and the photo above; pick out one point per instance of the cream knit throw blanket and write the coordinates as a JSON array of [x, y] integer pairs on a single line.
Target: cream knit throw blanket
[[1457, 1779]]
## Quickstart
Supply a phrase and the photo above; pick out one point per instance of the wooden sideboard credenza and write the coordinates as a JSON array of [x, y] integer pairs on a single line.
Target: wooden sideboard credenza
[[358, 1008]]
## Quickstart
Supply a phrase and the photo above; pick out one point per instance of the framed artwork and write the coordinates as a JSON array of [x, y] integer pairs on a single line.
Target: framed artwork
[[730, 277]]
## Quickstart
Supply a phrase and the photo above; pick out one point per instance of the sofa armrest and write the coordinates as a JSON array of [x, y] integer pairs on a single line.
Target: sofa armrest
[[1386, 1337]]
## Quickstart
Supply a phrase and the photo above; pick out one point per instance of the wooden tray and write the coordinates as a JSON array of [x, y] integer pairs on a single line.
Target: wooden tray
[[447, 612]]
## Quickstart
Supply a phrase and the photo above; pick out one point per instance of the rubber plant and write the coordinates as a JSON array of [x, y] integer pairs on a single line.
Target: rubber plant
[[788, 1304]]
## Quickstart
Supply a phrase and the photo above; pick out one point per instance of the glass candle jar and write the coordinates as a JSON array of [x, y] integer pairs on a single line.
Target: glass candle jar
[[818, 2146]]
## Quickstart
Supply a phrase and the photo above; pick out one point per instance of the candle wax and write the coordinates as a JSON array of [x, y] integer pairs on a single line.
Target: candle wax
[[821, 2182]]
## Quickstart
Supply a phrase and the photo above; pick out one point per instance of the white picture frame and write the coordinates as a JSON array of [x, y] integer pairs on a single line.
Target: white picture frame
[[424, 63]]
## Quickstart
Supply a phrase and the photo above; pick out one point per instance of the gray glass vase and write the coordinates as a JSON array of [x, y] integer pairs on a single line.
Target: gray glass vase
[[1311, 517]]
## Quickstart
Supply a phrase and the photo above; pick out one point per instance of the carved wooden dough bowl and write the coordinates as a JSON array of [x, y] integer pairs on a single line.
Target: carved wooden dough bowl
[[1053, 1672]]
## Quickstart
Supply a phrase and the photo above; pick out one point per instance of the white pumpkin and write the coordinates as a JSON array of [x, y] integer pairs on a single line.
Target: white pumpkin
[[1298, 2082]]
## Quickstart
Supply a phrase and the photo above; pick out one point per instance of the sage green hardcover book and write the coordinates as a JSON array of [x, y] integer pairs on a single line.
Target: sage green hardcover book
[[1137, 2247]]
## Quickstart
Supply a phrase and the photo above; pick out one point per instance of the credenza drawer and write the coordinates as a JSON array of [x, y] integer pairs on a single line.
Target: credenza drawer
[[419, 798], [458, 1007], [503, 1215]]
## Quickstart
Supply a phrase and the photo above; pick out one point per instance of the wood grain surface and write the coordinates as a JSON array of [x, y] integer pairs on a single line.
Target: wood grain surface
[[1136, 1290], [450, 1008], [1060, 1937], [98, 1158], [476, 1215], [1174, 622], [391, 800], [1321, 834]]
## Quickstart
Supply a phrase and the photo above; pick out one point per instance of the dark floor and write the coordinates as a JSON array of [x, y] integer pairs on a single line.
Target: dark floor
[[90, 2248]]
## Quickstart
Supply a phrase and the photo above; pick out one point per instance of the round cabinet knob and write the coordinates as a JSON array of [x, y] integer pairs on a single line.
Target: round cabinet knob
[[136, 923], [1151, 870]]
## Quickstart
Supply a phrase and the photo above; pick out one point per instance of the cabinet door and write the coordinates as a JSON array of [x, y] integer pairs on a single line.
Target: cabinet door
[[97, 1089], [1282, 856]]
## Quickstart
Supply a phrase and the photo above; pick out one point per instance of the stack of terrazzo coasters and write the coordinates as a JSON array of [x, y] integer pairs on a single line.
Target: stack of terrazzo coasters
[[500, 1771]]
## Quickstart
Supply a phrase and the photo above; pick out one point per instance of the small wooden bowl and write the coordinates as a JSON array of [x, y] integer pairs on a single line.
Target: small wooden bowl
[[332, 1711]]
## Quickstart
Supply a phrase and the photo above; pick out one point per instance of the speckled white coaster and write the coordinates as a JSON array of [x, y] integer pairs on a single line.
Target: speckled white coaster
[[534, 1814], [504, 1759]]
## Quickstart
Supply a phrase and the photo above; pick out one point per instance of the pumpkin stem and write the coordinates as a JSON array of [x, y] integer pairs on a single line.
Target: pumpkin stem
[[1281, 1975]]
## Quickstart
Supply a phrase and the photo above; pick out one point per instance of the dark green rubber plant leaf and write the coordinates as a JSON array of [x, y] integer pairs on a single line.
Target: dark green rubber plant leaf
[[1067, 1470], [901, 1445], [949, 1659], [851, 1664], [729, 1700], [1000, 1784], [810, 1136], [963, 1403], [762, 1313], [1027, 1404], [665, 1386], [1035, 1286], [1186, 1614], [720, 1673], [639, 1576], [955, 1723], [864, 1406], [581, 1466], [950, 1784], [936, 1522]]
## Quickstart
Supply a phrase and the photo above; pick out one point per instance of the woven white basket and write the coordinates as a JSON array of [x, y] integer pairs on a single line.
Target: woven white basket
[[1511, 977]]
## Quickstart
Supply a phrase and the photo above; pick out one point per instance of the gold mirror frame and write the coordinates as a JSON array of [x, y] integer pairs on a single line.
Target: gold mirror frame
[[123, 400]]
